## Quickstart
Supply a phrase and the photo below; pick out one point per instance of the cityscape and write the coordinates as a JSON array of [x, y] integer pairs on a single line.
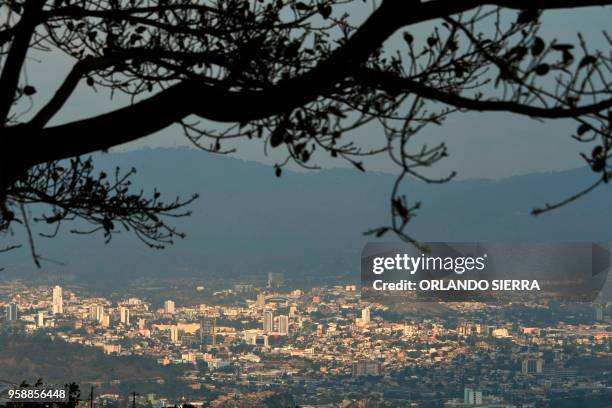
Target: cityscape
[[319, 347], [305, 204]]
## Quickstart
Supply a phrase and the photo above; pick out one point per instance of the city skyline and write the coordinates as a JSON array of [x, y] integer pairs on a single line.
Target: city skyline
[[306, 326]]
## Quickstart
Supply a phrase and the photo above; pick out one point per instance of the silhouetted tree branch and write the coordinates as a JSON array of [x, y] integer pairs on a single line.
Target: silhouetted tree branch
[[296, 75]]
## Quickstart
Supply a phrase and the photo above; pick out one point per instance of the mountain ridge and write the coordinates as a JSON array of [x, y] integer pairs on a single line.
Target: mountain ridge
[[247, 221]]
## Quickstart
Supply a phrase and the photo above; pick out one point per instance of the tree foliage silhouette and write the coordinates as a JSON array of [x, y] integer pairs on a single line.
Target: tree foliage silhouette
[[296, 76]]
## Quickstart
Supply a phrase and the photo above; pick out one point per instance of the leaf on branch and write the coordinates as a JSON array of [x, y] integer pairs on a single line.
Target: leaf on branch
[[597, 152], [325, 10], [598, 165], [582, 129], [538, 46], [278, 136], [408, 38], [587, 60], [302, 6], [29, 90], [542, 69]]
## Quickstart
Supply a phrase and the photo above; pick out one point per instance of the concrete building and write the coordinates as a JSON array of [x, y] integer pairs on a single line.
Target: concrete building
[[58, 300]]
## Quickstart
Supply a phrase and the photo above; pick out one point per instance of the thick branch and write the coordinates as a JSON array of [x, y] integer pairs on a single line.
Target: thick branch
[[390, 82], [16, 56], [7, 34], [80, 69], [177, 102], [548, 4], [83, 67], [154, 114]]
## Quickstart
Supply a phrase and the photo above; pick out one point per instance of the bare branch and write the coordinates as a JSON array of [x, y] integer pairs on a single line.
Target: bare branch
[[390, 82]]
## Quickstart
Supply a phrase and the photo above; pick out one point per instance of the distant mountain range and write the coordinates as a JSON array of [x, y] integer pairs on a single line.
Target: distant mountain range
[[249, 222]]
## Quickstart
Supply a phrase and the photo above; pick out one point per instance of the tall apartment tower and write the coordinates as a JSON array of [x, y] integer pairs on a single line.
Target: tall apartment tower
[[261, 299], [169, 306], [174, 334], [208, 328], [58, 300], [124, 315], [283, 325], [11, 312], [268, 321], [365, 316], [96, 312]]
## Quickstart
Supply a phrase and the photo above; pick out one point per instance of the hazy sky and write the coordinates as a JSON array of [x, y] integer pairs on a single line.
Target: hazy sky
[[481, 145]]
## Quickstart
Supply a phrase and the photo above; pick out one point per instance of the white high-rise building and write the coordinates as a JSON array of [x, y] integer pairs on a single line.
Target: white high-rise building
[[58, 300], [174, 334], [40, 319], [124, 315], [268, 321], [96, 313], [11, 312], [283, 325], [169, 306], [365, 316]]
